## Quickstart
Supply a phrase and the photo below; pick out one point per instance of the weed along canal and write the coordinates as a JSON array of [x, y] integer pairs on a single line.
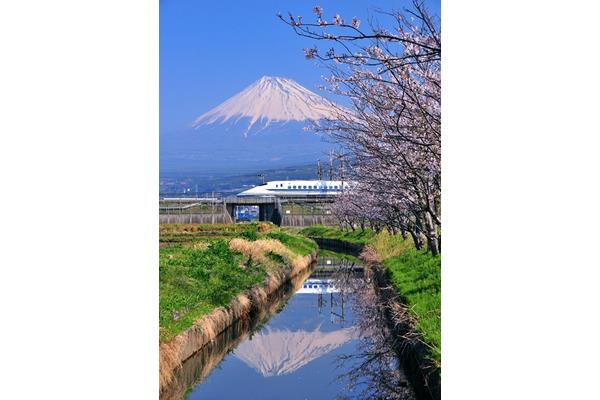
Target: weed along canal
[[321, 336]]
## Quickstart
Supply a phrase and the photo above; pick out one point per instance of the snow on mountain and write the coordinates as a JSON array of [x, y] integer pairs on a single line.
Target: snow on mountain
[[280, 352], [270, 99], [265, 126]]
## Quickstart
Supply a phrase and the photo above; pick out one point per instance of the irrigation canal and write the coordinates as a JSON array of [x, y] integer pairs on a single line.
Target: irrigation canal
[[322, 337]]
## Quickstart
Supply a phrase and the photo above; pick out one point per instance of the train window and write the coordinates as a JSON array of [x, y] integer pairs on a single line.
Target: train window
[[304, 186], [294, 187], [336, 187], [289, 187]]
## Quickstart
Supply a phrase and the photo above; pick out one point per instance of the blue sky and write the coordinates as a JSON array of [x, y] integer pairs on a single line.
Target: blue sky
[[210, 50]]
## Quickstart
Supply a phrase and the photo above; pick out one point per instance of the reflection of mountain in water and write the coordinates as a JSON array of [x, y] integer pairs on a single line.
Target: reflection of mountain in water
[[279, 352]]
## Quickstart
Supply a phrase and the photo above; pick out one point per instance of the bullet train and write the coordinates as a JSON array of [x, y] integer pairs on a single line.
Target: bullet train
[[319, 286], [297, 188]]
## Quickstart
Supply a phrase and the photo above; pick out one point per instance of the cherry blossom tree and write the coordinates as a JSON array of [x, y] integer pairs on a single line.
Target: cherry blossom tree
[[392, 133]]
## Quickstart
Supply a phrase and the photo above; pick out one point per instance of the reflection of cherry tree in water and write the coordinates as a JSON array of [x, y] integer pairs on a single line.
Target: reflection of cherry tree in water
[[373, 369]]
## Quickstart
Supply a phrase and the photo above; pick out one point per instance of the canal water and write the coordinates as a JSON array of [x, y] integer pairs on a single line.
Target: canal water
[[323, 338]]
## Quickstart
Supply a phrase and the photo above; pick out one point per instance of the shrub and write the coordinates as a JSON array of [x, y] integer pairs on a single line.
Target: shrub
[[250, 235]]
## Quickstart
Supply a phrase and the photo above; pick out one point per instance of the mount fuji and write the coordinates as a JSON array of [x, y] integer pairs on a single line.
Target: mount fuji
[[266, 125]]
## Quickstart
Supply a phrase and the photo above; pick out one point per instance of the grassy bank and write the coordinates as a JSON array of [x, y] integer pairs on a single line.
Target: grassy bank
[[357, 237], [416, 276], [203, 267], [339, 256]]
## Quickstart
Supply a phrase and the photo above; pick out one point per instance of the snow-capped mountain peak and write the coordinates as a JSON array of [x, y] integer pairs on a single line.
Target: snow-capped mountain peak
[[270, 99]]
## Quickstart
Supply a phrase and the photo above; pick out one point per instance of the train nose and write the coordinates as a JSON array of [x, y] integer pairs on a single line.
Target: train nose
[[255, 191]]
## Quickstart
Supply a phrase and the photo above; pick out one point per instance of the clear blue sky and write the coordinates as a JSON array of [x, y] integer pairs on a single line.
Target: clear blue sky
[[210, 50]]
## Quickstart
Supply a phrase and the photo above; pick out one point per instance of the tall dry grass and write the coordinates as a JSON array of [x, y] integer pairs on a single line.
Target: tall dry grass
[[370, 255], [388, 246], [264, 227], [196, 245], [259, 250]]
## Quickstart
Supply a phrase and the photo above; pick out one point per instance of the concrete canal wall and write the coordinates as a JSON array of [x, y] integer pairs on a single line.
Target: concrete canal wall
[[412, 352], [174, 352]]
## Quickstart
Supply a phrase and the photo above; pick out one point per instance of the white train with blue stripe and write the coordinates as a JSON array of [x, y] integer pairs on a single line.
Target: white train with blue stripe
[[298, 188]]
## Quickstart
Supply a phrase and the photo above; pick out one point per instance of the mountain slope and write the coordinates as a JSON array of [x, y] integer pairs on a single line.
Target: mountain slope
[[269, 124], [270, 99], [280, 352]]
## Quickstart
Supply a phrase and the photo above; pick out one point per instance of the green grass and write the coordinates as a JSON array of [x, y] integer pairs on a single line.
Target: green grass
[[194, 282], [388, 245], [298, 244], [416, 276], [340, 256], [358, 236], [198, 272]]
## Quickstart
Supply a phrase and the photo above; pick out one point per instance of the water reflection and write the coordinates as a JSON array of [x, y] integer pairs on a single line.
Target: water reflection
[[196, 368], [319, 286], [374, 367], [328, 341], [278, 352]]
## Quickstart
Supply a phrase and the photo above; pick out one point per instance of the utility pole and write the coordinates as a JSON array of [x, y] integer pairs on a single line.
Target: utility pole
[[331, 165], [319, 170], [263, 178], [342, 170]]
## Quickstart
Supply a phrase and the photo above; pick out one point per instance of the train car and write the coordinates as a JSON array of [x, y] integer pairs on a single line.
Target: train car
[[298, 188], [318, 286]]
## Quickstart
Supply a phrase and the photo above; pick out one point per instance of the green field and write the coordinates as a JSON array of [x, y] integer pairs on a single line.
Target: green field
[[199, 271], [358, 236], [339, 256]]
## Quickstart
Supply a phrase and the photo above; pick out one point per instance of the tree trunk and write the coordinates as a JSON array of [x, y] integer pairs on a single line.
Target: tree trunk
[[416, 239], [432, 239], [404, 234]]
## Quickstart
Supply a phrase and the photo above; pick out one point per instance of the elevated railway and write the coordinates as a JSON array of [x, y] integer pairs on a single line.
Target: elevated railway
[[281, 210], [285, 203]]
